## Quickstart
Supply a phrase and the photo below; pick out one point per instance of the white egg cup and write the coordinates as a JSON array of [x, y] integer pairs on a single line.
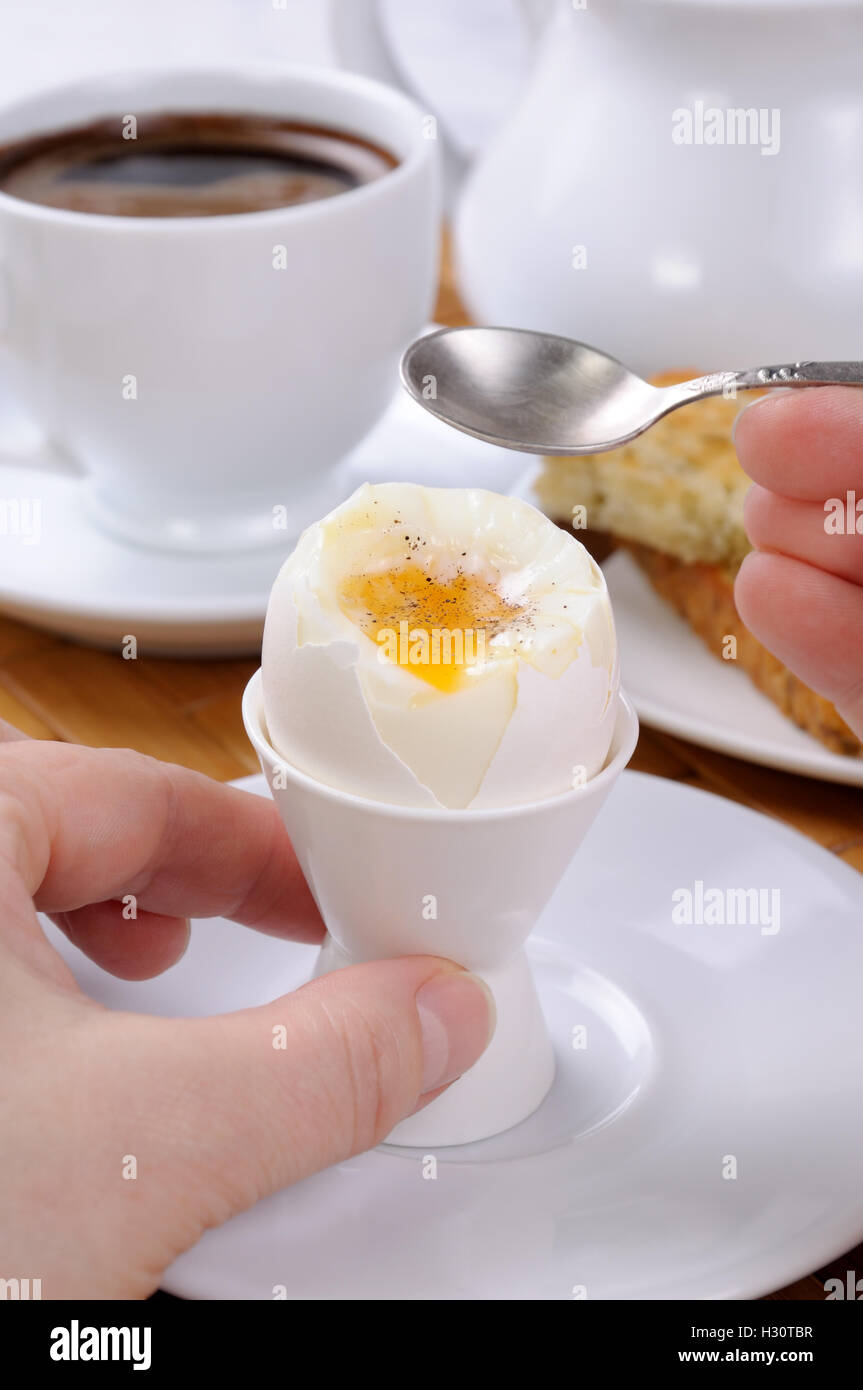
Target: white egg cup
[[469, 885]]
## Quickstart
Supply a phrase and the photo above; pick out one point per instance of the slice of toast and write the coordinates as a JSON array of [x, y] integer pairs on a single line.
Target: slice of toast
[[674, 497], [704, 596], [677, 488]]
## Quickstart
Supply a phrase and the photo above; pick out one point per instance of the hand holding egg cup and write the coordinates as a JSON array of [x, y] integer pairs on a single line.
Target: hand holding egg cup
[[435, 812]]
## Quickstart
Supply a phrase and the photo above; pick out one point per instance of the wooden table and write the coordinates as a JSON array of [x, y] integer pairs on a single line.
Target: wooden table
[[188, 712]]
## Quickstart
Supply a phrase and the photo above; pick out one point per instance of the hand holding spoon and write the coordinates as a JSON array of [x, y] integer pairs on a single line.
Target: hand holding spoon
[[544, 394]]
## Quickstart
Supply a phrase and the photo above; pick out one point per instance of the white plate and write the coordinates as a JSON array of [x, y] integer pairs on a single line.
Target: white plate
[[677, 685], [85, 584], [704, 1043]]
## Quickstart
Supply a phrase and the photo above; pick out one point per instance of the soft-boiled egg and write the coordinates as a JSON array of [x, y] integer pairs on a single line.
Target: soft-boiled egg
[[440, 647]]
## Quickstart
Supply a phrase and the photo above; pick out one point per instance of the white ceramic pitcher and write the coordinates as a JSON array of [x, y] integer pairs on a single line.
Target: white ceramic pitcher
[[680, 181]]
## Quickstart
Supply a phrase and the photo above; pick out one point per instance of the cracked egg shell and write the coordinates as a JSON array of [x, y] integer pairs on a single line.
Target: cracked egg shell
[[517, 701]]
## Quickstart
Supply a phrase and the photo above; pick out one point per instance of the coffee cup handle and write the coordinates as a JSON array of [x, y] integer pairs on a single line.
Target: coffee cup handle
[[25, 445]]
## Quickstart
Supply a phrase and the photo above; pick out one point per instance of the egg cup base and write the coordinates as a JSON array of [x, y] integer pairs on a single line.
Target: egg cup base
[[509, 1081]]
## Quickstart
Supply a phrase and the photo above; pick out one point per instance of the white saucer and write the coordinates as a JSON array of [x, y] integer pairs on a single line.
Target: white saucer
[[703, 1042], [84, 583], [707, 702]]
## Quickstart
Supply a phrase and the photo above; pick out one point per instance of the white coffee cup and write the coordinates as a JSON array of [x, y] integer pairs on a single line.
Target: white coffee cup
[[207, 373]]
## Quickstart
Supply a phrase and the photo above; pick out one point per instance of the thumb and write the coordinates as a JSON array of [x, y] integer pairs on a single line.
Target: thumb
[[235, 1107]]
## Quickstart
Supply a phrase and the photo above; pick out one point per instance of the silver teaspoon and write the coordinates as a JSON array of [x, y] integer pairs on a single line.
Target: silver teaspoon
[[549, 395]]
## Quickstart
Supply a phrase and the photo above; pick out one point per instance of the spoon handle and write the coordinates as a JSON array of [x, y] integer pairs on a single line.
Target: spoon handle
[[788, 374], [804, 374]]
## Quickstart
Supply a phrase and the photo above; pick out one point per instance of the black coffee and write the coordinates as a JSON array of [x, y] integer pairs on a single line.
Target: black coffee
[[181, 164]]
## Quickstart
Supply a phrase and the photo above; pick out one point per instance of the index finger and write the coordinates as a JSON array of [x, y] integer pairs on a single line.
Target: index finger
[[92, 824], [805, 443]]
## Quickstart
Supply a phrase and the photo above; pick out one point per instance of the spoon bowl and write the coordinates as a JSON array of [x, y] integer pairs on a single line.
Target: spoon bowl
[[544, 394]]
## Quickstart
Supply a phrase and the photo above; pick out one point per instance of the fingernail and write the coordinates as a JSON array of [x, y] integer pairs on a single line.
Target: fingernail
[[188, 922], [759, 400], [457, 1016]]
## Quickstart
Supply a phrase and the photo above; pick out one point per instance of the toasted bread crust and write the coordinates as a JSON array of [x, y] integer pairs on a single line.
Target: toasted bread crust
[[704, 596]]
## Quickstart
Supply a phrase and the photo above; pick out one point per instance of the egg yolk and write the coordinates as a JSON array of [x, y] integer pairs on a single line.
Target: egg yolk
[[437, 628]]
